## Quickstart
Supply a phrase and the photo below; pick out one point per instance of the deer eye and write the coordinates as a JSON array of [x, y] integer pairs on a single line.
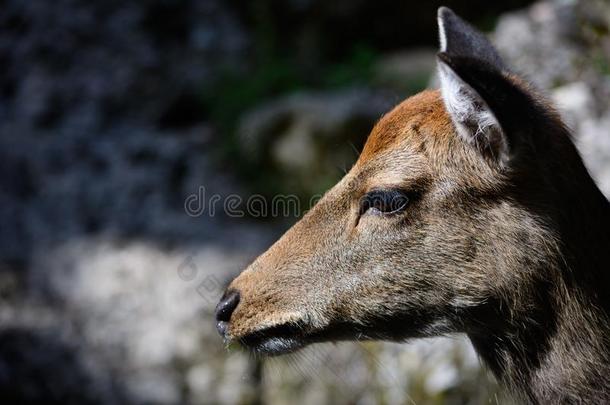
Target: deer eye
[[384, 201]]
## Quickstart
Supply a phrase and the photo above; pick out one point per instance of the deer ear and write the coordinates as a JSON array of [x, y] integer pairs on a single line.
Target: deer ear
[[459, 38], [467, 59]]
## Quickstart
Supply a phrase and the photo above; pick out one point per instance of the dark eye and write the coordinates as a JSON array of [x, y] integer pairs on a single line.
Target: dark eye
[[384, 201]]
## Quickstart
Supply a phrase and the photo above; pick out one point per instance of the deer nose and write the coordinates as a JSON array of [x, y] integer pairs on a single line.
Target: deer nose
[[224, 309]]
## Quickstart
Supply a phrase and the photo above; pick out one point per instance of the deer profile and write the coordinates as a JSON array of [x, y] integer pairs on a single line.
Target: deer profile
[[468, 211]]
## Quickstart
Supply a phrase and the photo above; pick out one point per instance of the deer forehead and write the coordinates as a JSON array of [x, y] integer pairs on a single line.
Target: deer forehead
[[418, 125], [417, 142], [410, 141]]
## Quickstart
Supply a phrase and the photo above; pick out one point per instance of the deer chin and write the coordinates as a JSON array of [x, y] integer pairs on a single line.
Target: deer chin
[[291, 336], [275, 340]]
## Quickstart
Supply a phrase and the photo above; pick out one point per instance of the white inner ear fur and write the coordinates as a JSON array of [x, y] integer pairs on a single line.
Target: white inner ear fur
[[441, 34], [473, 119]]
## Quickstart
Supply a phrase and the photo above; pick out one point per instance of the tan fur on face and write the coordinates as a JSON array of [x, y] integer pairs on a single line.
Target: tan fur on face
[[300, 279]]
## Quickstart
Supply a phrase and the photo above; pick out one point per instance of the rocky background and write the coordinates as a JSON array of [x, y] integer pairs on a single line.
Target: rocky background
[[113, 114]]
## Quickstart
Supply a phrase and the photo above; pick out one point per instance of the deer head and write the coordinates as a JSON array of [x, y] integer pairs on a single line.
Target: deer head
[[450, 221]]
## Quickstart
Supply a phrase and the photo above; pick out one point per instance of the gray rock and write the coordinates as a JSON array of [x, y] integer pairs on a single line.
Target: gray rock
[[407, 71], [564, 48], [145, 316], [82, 63], [305, 132]]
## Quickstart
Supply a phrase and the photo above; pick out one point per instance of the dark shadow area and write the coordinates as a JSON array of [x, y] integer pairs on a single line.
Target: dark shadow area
[[36, 367]]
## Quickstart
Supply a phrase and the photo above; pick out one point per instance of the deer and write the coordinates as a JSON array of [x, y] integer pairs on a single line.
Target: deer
[[469, 211]]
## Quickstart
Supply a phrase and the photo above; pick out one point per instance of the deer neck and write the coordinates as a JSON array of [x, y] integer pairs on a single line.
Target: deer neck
[[560, 358], [558, 349]]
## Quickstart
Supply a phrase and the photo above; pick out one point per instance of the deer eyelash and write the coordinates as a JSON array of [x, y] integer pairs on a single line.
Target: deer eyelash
[[385, 202]]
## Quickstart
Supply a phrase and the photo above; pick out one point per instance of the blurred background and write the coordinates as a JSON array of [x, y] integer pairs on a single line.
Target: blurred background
[[114, 113]]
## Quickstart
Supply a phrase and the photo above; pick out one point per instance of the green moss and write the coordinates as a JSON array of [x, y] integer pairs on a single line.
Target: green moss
[[601, 63], [357, 69]]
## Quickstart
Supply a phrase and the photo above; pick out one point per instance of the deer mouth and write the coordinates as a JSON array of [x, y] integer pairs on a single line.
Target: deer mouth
[[292, 336], [275, 340]]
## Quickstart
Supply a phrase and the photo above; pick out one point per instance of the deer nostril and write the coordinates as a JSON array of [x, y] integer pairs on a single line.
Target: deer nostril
[[226, 306]]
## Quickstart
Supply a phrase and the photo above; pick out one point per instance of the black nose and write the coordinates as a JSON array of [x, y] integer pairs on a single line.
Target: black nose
[[224, 309]]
